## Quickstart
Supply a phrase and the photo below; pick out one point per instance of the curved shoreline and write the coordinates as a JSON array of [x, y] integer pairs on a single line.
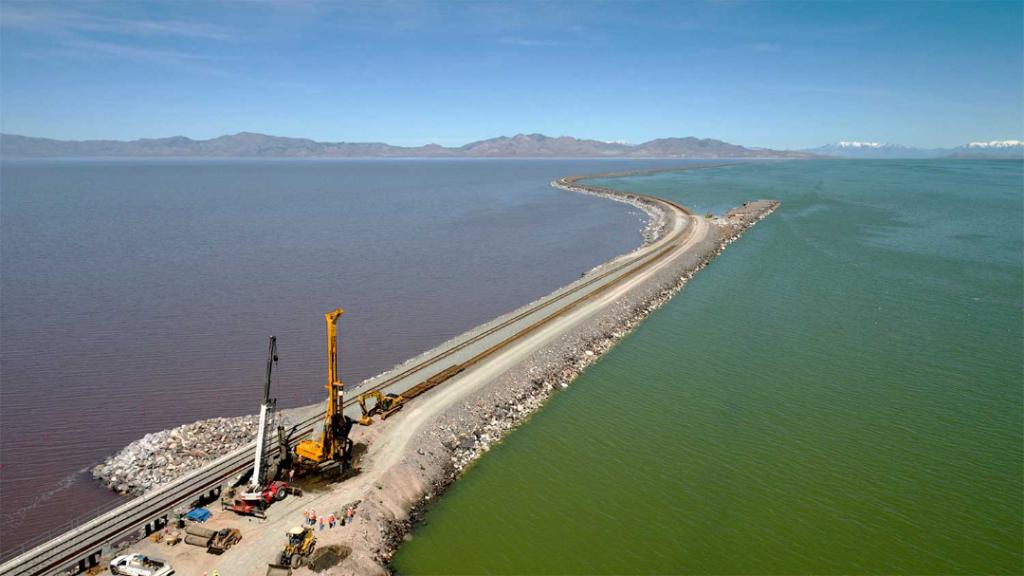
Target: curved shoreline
[[393, 496]]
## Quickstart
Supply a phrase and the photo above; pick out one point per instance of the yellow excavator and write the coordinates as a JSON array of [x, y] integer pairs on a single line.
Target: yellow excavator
[[384, 404], [334, 444]]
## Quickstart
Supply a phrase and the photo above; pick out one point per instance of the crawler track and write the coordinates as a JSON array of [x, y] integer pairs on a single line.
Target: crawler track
[[80, 545]]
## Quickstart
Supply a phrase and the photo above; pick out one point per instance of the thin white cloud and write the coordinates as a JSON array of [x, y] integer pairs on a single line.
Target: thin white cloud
[[45, 19], [131, 52], [85, 50]]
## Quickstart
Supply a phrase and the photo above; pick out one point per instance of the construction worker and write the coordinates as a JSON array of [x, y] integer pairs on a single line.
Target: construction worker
[[321, 523], [330, 520]]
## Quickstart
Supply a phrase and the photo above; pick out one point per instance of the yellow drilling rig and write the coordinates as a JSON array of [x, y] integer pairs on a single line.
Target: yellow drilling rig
[[334, 445]]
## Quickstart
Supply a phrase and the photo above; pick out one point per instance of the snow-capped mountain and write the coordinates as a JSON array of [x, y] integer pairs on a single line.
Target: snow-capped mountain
[[997, 144], [858, 149], [980, 149], [846, 144], [991, 149]]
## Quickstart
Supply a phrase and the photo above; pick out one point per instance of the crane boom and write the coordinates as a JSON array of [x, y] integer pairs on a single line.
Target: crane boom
[[266, 417], [262, 489]]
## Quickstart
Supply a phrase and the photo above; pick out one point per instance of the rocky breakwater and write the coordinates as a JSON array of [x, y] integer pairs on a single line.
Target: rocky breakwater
[[161, 457]]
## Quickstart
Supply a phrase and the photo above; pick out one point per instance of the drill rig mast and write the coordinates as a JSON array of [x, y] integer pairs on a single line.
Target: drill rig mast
[[334, 444]]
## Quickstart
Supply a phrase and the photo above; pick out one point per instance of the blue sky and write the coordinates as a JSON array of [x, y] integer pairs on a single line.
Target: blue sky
[[775, 74]]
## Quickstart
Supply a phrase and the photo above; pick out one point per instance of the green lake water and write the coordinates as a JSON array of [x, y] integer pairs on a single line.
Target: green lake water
[[839, 392]]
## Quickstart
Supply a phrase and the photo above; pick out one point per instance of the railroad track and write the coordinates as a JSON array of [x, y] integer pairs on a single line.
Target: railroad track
[[83, 545]]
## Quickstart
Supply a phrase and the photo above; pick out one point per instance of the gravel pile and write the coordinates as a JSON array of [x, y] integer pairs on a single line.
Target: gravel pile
[[161, 457]]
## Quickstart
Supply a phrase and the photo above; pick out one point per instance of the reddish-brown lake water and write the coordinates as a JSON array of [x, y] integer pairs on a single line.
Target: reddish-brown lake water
[[138, 295]]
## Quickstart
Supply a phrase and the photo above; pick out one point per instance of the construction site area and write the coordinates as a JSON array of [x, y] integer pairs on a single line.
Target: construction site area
[[292, 501], [333, 488]]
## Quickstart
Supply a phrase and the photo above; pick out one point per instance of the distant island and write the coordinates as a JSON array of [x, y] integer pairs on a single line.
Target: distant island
[[249, 144]]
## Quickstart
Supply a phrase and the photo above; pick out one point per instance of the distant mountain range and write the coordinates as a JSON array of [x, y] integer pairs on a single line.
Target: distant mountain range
[[853, 149], [252, 145], [248, 144]]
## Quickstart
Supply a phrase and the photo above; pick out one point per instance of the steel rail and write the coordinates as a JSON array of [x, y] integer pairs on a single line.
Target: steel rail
[[92, 535]]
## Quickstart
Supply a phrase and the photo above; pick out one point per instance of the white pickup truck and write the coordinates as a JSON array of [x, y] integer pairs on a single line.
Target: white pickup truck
[[139, 565]]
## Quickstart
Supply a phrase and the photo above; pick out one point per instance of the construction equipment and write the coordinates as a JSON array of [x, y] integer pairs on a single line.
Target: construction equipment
[[388, 404], [173, 537], [139, 565], [384, 404], [262, 489], [334, 445], [224, 539], [297, 551]]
